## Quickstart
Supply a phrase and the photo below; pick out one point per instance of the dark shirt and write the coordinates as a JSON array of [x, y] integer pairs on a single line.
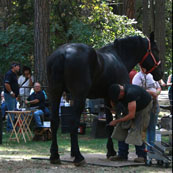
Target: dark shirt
[[40, 96], [11, 79], [135, 93]]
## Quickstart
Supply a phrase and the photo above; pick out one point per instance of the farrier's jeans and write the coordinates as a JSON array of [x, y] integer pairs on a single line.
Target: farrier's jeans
[[11, 105], [123, 150], [151, 130]]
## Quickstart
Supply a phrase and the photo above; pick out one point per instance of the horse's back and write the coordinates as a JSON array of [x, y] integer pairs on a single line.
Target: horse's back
[[74, 65]]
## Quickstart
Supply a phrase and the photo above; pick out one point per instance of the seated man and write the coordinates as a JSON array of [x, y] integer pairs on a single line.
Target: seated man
[[37, 99], [130, 128]]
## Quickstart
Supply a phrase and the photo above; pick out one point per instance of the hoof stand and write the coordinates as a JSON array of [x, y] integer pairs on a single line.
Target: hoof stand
[[80, 163]]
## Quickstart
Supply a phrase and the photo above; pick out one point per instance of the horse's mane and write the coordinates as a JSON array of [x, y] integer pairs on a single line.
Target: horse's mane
[[109, 47], [130, 40], [126, 41]]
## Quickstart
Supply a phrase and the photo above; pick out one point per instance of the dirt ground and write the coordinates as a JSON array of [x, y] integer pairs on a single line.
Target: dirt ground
[[38, 166]]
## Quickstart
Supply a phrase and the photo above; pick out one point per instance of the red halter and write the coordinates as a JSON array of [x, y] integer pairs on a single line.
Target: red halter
[[156, 64]]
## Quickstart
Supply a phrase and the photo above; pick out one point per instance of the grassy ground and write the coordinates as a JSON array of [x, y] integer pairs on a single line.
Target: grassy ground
[[86, 143], [15, 157]]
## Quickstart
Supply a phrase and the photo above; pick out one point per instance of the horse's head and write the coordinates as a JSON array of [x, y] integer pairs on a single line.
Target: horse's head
[[151, 61]]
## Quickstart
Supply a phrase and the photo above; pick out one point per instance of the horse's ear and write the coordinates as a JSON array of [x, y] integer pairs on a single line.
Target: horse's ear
[[152, 36]]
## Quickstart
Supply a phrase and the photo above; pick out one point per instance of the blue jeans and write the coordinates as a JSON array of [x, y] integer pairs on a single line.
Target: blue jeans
[[11, 105], [46, 112], [37, 117], [3, 109], [123, 150], [170, 99], [151, 130]]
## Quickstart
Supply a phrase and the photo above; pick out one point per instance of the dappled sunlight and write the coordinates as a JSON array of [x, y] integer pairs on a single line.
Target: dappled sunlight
[[90, 150]]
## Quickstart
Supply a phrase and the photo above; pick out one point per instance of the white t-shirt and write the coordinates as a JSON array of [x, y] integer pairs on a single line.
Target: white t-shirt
[[146, 81], [24, 91], [2, 97]]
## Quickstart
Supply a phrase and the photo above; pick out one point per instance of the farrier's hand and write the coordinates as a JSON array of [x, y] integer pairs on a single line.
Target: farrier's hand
[[113, 123]]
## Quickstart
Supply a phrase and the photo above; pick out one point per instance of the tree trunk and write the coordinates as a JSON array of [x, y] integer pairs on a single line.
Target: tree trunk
[[160, 28], [4, 10], [152, 15], [41, 39], [145, 24], [129, 8]]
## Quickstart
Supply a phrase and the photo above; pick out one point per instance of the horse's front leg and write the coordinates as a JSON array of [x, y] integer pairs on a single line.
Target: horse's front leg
[[109, 129], [75, 122], [54, 158]]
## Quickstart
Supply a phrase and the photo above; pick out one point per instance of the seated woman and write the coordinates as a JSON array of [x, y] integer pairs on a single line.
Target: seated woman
[[37, 99], [3, 105]]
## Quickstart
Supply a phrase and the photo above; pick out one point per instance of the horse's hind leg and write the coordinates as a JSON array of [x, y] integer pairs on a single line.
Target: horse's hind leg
[[109, 129], [55, 96], [78, 107]]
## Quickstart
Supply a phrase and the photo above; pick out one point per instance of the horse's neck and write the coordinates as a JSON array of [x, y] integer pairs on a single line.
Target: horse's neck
[[131, 54]]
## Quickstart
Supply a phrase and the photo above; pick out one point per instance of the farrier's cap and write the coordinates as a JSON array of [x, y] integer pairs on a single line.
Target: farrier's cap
[[114, 91]]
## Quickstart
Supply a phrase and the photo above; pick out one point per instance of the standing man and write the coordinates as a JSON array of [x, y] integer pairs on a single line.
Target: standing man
[[147, 82], [132, 74], [131, 127], [25, 81], [11, 90]]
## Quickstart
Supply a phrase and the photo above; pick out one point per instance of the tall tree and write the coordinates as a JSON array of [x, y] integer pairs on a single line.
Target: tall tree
[[41, 39], [152, 15], [145, 20], [154, 20], [160, 28], [129, 8]]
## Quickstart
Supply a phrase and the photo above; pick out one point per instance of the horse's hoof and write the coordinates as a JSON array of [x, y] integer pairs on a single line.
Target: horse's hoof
[[108, 155], [79, 163], [72, 155], [55, 161]]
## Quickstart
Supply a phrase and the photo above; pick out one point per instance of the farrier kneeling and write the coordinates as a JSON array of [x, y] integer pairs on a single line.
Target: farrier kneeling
[[131, 128]]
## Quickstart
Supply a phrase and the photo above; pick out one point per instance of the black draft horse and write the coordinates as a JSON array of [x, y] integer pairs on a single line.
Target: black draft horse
[[88, 73]]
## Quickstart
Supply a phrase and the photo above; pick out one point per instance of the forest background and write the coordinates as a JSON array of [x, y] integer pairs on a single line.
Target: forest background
[[30, 30]]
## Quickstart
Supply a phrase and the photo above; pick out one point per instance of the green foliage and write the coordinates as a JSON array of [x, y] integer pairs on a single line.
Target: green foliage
[[98, 26], [21, 12], [16, 44], [89, 21]]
